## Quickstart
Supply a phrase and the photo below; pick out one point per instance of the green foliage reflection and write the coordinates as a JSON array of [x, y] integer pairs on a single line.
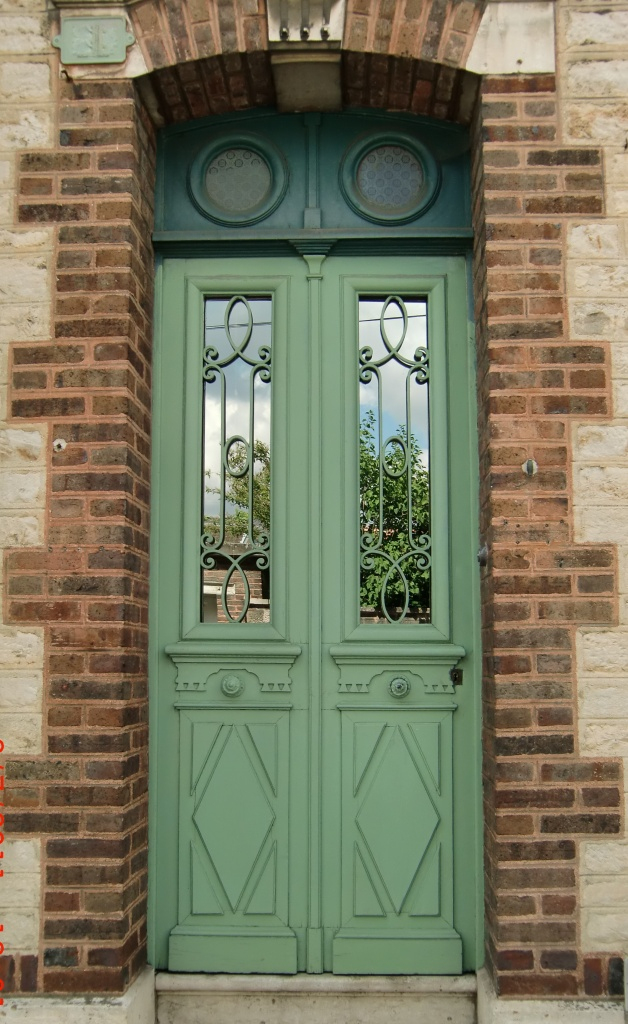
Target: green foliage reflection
[[393, 531]]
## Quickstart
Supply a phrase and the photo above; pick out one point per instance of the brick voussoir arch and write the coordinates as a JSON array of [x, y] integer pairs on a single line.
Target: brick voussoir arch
[[241, 81], [435, 32]]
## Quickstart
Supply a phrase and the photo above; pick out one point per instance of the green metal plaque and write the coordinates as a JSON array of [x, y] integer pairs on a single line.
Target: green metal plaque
[[93, 40]]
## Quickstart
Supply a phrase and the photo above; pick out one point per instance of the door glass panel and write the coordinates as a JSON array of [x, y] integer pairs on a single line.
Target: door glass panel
[[235, 540], [395, 545]]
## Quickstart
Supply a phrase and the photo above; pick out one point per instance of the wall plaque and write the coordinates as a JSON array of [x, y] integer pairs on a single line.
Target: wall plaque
[[93, 40]]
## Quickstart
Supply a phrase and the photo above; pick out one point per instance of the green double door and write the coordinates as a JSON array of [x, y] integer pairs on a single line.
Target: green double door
[[315, 796]]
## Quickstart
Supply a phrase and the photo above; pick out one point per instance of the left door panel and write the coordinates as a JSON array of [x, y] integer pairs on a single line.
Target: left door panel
[[228, 705]]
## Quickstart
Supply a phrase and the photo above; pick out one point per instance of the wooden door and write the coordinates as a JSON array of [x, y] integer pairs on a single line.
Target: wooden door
[[315, 772]]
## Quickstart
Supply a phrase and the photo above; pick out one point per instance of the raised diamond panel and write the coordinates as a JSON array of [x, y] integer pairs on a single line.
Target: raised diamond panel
[[397, 819], [233, 818]]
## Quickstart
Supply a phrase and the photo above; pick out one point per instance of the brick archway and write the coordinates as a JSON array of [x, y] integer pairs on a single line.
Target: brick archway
[[439, 32]]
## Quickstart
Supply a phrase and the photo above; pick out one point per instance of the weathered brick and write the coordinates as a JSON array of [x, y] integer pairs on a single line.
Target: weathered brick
[[61, 956], [586, 824]]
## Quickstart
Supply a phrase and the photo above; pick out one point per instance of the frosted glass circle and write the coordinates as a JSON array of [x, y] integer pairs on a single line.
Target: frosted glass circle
[[390, 179], [237, 180]]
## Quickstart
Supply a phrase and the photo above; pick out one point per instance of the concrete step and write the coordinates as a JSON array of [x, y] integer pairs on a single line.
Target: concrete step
[[314, 999]]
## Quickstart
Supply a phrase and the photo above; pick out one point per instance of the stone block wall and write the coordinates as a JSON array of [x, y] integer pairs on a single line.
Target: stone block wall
[[27, 112], [83, 788], [542, 796], [593, 66]]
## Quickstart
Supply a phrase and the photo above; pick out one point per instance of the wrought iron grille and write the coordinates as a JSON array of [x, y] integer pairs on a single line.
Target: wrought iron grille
[[395, 543], [235, 540]]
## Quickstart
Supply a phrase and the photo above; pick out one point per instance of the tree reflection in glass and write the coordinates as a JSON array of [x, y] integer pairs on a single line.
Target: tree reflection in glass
[[235, 542], [395, 544]]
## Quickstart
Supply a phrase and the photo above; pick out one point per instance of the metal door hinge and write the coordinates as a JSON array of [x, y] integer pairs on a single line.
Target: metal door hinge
[[455, 674]]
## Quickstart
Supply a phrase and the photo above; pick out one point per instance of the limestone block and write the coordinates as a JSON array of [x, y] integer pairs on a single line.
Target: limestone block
[[619, 360], [599, 441], [136, 1006], [596, 28], [19, 322], [20, 446], [492, 1010], [604, 930], [28, 6], [597, 524], [601, 78], [23, 34], [20, 488], [20, 891], [601, 278], [616, 165], [600, 699], [14, 241], [22, 855], [21, 81], [4, 362], [24, 278], [598, 122], [604, 739], [21, 648], [594, 239], [623, 571], [620, 397], [20, 689], [616, 201], [514, 38], [197, 999], [22, 733], [21, 930], [599, 318], [134, 65], [7, 171], [24, 128], [21, 531], [6, 208], [605, 892], [605, 857], [602, 485], [604, 652]]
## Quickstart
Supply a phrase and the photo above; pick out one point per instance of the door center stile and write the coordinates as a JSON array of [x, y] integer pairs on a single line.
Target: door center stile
[[314, 933]]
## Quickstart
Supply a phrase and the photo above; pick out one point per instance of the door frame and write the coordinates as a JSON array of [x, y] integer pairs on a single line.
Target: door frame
[[161, 781]]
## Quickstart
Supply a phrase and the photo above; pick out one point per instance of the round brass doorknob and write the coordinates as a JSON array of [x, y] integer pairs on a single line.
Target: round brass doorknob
[[399, 687]]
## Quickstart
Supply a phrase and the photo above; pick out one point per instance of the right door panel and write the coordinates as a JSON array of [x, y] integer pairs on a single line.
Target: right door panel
[[400, 771]]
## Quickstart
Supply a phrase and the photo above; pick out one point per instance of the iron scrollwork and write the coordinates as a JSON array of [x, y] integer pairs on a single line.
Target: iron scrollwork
[[239, 454], [395, 548]]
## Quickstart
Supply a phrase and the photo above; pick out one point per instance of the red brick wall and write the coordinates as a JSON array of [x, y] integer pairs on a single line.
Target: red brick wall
[[89, 584], [540, 797]]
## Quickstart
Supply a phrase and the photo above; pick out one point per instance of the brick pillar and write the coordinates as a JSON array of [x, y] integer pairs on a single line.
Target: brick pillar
[[541, 798], [89, 584]]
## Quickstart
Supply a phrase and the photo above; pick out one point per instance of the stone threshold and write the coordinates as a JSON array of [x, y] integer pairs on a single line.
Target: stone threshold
[[319, 984]]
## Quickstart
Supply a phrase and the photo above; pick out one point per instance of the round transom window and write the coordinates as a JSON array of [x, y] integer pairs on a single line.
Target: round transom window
[[238, 180], [389, 178]]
